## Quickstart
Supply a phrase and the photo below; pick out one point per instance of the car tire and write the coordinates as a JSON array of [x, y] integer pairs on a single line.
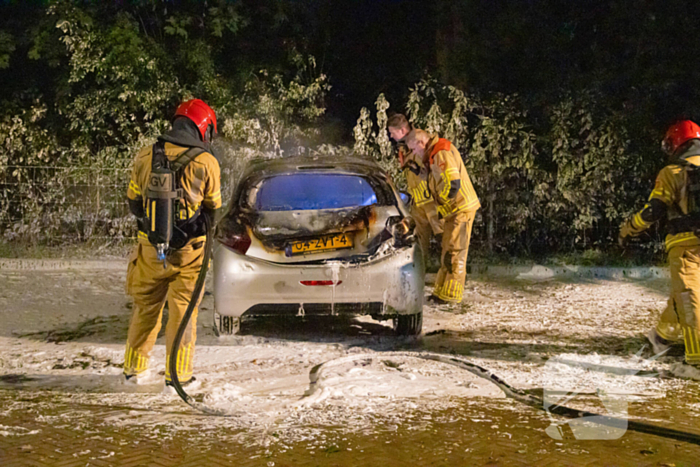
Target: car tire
[[409, 325], [226, 325]]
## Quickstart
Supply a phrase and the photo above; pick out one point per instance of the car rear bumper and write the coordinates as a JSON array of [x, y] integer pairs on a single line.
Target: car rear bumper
[[389, 285]]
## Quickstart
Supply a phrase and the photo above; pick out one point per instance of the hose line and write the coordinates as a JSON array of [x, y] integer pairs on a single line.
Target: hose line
[[316, 373], [174, 352], [519, 395]]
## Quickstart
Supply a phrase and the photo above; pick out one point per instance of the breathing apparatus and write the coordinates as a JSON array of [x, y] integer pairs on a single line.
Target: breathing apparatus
[[167, 212]]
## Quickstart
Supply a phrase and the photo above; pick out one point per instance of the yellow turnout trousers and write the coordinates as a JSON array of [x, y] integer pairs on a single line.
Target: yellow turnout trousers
[[427, 224], [449, 285], [150, 284], [681, 318]]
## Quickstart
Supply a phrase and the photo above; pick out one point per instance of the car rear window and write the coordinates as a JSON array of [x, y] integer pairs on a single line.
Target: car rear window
[[306, 191]]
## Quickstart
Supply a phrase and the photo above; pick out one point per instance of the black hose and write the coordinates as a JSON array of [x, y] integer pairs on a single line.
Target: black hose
[[514, 393], [315, 374], [198, 286]]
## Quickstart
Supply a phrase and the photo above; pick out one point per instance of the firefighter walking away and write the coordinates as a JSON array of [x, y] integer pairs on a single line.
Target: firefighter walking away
[[174, 184], [676, 196]]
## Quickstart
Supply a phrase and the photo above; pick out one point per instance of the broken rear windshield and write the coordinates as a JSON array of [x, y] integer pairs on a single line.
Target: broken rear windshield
[[306, 191]]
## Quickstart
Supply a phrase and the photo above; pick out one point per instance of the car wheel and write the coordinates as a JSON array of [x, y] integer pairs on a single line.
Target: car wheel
[[226, 325], [409, 325]]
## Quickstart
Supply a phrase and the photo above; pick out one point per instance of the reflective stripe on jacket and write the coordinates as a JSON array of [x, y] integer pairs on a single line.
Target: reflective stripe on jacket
[[416, 177], [446, 166], [201, 181], [670, 189]]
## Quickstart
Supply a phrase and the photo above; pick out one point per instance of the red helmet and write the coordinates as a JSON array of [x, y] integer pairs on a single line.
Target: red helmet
[[679, 134], [200, 113]]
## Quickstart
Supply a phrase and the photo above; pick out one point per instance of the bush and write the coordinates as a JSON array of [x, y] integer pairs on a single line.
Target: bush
[[65, 160], [561, 181]]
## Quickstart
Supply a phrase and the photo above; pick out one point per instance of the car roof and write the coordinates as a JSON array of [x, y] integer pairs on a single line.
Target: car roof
[[263, 168], [260, 168]]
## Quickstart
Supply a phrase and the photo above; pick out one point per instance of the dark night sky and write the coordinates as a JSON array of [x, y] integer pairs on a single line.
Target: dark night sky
[[631, 50]]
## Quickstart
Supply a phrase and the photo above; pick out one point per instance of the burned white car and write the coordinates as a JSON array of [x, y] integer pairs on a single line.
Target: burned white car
[[314, 236]]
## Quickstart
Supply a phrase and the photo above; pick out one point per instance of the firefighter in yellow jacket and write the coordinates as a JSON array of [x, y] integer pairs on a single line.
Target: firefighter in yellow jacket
[[154, 276], [457, 203], [676, 196], [423, 207]]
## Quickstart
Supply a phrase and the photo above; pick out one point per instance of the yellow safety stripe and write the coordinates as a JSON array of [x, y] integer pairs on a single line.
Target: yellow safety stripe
[[446, 210], [189, 212], [142, 235], [692, 345], [420, 194], [657, 192], [182, 355], [452, 290], [661, 193], [683, 238], [445, 187], [134, 361], [184, 363], [153, 216], [213, 197], [134, 187], [639, 223]]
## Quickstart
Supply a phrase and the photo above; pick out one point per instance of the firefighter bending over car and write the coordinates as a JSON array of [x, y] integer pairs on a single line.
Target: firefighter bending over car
[[174, 184], [457, 203], [423, 207], [676, 195]]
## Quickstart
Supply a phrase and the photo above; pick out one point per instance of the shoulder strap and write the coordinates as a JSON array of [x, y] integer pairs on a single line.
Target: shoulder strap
[[158, 159], [184, 159]]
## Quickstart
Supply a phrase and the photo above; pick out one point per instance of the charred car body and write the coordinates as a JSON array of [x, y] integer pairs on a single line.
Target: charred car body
[[308, 235]]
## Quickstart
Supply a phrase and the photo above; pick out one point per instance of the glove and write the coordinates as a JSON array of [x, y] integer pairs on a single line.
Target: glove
[[624, 237], [623, 241]]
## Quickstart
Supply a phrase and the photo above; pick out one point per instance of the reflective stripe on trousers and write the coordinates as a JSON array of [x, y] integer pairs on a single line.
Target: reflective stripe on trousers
[[681, 318], [151, 286], [449, 284]]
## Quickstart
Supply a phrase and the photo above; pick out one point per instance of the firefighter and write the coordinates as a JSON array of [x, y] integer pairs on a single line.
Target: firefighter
[[676, 196], [151, 280], [457, 203], [423, 207]]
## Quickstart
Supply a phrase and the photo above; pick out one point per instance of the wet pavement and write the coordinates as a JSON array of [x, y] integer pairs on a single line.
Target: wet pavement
[[62, 402], [475, 433]]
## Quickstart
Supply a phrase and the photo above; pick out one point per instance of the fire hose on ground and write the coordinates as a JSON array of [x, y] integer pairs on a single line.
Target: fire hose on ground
[[316, 374]]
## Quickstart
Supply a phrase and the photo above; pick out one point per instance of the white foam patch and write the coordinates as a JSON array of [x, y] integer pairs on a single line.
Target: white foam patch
[[16, 431], [514, 330], [593, 373], [681, 370]]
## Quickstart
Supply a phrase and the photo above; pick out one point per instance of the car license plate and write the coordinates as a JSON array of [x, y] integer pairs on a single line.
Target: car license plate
[[325, 243]]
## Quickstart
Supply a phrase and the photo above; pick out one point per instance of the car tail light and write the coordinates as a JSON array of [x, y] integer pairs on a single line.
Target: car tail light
[[233, 235], [320, 282]]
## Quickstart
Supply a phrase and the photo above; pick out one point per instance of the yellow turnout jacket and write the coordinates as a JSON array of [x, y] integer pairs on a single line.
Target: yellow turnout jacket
[[448, 180], [669, 197], [201, 181]]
